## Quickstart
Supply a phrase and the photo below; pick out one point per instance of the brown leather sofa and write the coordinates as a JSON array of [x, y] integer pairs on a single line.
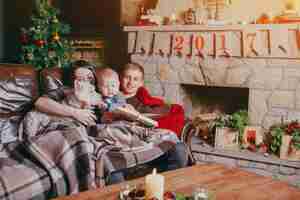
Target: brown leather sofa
[[19, 88]]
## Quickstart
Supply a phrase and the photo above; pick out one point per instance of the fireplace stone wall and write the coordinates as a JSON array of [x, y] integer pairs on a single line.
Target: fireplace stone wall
[[274, 85], [273, 79]]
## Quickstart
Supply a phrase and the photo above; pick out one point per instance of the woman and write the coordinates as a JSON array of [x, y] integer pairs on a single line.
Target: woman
[[51, 104]]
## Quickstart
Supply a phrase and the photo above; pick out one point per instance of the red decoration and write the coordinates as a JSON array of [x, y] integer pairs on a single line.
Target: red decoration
[[169, 195], [199, 43], [292, 127], [263, 148], [141, 20], [24, 38], [252, 147], [251, 136], [39, 42], [174, 120], [179, 41], [145, 22]]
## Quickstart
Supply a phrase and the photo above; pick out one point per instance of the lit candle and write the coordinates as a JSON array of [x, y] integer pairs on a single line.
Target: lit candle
[[154, 185]]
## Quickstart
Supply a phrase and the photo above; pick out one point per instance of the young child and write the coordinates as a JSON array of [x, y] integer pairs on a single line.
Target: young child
[[114, 101], [132, 81], [108, 85]]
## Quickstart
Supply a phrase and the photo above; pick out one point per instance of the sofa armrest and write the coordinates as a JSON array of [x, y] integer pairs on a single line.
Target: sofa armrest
[[18, 91]]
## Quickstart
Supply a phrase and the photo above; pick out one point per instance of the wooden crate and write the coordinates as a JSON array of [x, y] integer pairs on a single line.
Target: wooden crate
[[227, 138], [287, 151]]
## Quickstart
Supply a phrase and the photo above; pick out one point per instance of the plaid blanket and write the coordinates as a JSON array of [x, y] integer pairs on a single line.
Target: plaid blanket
[[79, 158], [69, 160], [127, 145], [67, 155], [21, 177]]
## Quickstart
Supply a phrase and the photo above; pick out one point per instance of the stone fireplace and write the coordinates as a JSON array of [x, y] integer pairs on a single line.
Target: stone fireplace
[[257, 64], [264, 59], [220, 100]]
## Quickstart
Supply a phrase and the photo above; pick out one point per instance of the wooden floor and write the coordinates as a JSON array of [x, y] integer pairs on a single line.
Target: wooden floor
[[224, 182]]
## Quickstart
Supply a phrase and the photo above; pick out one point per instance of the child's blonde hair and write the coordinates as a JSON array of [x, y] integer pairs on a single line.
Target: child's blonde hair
[[106, 73]]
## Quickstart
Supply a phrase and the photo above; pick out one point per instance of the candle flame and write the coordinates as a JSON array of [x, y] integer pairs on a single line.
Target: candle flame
[[154, 171]]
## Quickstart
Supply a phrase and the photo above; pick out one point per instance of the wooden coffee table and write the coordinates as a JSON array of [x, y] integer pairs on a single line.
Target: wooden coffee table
[[226, 184]]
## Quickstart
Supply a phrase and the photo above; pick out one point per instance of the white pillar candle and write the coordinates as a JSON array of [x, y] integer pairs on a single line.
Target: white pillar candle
[[154, 185]]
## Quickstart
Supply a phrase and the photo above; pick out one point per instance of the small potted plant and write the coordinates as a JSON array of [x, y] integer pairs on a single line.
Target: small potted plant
[[285, 140], [229, 129]]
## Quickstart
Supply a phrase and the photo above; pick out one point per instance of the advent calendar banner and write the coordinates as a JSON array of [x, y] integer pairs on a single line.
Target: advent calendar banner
[[144, 42], [254, 41], [132, 37], [279, 42], [181, 44], [264, 36], [222, 44], [294, 43], [235, 40], [202, 44], [162, 43]]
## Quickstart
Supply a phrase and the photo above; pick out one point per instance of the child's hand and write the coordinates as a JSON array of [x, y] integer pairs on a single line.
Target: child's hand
[[101, 105], [128, 112]]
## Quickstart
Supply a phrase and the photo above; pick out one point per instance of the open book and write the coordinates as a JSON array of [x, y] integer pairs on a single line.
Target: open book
[[136, 116]]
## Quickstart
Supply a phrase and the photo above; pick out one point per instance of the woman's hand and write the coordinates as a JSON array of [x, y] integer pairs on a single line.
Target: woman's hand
[[85, 116], [49, 106]]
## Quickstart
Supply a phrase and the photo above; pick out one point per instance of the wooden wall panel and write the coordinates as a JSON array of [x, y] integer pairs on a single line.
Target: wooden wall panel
[[88, 17]]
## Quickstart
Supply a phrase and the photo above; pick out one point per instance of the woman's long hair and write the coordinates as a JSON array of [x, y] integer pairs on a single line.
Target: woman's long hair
[[82, 64]]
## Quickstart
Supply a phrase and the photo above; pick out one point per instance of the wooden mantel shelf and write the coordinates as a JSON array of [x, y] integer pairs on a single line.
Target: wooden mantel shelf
[[237, 27]]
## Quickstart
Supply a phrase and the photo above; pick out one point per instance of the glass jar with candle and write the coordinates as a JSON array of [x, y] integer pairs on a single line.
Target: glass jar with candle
[[200, 193], [126, 191]]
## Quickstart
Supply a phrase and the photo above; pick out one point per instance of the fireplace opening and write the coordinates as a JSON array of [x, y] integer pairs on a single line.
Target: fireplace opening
[[220, 100]]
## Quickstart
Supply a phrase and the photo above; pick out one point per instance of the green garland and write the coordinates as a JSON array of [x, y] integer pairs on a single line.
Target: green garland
[[277, 133]]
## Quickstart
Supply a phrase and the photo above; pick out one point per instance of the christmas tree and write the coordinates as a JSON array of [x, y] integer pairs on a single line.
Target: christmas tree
[[42, 44]]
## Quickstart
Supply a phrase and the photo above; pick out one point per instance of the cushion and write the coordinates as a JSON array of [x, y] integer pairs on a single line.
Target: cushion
[[18, 91]]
